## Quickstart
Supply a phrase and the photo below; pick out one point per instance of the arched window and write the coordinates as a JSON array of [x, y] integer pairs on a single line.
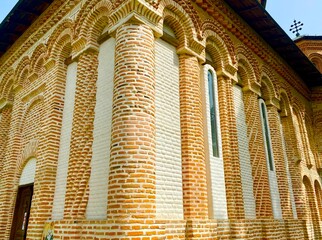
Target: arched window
[[273, 185], [213, 117], [266, 133], [215, 163]]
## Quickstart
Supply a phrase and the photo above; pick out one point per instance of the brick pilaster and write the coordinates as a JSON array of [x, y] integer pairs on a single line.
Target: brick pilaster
[[294, 156], [131, 191], [192, 140], [9, 185], [81, 137], [257, 156], [4, 131], [279, 161], [228, 126], [5, 118], [47, 154]]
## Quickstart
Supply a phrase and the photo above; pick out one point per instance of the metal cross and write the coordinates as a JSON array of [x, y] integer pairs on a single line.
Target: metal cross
[[296, 27]]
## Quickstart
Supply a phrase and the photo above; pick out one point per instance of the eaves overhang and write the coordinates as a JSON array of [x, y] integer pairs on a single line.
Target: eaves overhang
[[261, 21], [308, 37], [19, 19]]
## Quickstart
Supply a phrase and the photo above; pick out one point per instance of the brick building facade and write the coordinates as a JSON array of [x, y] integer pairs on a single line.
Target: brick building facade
[[157, 119]]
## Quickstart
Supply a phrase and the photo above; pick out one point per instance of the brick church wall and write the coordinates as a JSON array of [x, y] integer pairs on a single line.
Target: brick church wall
[[110, 99]]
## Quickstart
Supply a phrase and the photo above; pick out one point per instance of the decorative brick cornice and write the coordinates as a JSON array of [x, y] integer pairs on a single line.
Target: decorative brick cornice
[[234, 24], [245, 55], [136, 18], [224, 15], [189, 10], [49, 18], [6, 84], [134, 10], [211, 28], [268, 90]]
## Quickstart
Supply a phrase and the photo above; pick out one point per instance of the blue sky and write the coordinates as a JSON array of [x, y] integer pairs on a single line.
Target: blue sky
[[283, 11], [308, 12], [5, 7]]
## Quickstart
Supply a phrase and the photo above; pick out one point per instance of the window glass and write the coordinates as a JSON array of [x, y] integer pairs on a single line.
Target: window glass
[[213, 119], [266, 137]]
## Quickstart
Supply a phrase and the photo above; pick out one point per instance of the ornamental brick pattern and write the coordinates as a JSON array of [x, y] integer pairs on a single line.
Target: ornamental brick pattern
[[82, 137], [257, 155], [32, 90]]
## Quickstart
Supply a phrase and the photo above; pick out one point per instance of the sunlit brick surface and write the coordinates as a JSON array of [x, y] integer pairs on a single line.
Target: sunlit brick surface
[[134, 140]]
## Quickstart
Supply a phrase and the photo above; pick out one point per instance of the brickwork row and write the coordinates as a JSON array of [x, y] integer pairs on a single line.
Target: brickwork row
[[180, 229], [31, 127]]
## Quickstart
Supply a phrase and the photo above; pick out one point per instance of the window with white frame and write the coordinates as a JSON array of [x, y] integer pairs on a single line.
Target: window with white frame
[[213, 113], [273, 185], [215, 163]]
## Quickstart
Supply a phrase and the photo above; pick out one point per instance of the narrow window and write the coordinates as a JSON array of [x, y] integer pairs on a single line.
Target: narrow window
[[266, 137], [215, 163], [213, 120]]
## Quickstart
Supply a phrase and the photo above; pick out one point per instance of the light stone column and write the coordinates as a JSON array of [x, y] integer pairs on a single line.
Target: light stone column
[[132, 190]]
